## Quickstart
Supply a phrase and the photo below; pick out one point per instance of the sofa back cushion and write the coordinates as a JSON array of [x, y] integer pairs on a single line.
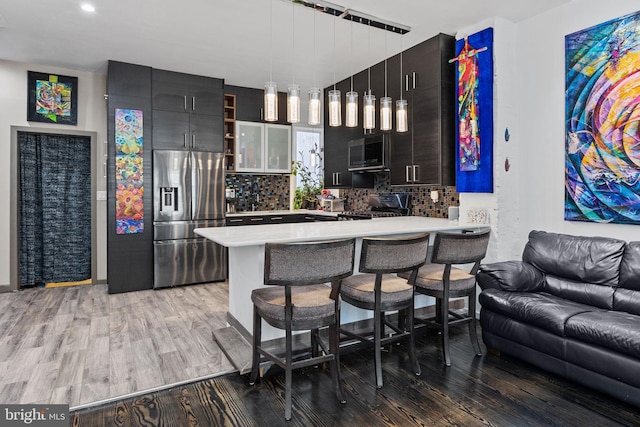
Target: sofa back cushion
[[581, 269], [593, 260], [627, 296], [630, 267], [600, 296], [627, 300]]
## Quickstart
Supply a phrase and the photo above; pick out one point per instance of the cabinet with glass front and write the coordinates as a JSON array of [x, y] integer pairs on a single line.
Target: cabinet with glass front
[[263, 147]]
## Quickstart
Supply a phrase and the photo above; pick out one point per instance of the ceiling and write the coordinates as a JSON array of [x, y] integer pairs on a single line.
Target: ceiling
[[234, 39]]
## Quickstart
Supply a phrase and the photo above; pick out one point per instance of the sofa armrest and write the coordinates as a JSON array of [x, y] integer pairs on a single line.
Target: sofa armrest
[[516, 276]]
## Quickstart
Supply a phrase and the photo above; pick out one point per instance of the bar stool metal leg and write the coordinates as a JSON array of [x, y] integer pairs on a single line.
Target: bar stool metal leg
[[472, 325], [257, 332]]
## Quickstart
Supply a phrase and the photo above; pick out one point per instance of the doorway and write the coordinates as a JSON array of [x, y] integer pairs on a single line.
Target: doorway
[[53, 210]]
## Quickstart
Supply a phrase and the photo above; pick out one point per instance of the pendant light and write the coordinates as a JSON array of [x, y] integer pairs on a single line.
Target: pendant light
[[402, 106], [293, 92], [335, 106], [351, 97], [314, 93], [386, 103], [270, 87], [369, 100]]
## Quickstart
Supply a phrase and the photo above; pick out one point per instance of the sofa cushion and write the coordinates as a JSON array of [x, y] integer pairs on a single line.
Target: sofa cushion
[[610, 329], [582, 259], [627, 300], [630, 267], [600, 296], [510, 276], [540, 309]]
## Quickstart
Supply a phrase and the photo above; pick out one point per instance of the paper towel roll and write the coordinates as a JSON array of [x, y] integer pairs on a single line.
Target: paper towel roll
[[454, 213]]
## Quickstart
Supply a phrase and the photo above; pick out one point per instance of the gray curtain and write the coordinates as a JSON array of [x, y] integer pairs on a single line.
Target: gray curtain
[[55, 208]]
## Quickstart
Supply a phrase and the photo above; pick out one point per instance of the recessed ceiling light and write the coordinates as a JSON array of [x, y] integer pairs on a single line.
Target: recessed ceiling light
[[88, 7]]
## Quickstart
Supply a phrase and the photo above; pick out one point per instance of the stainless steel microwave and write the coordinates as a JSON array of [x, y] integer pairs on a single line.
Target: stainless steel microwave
[[368, 153]]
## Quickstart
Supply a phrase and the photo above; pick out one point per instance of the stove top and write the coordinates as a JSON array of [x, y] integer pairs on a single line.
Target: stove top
[[382, 205]]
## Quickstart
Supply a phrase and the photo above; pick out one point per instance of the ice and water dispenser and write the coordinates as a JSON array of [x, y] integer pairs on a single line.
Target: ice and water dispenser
[[169, 199]]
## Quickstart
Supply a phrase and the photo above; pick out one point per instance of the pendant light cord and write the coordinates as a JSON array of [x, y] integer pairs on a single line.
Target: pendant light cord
[[334, 52], [401, 67], [293, 41], [351, 30], [369, 54], [270, 40], [314, 50], [385, 63]]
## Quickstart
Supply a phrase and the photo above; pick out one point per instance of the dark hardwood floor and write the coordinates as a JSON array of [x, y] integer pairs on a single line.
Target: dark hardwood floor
[[474, 391]]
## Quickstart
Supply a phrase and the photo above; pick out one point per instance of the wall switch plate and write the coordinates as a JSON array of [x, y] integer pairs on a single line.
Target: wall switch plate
[[101, 195]]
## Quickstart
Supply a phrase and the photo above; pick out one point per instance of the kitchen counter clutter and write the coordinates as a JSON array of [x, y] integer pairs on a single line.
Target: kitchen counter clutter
[[282, 212], [246, 255]]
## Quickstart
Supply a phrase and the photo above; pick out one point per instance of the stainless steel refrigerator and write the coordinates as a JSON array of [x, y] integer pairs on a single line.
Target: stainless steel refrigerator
[[188, 194]]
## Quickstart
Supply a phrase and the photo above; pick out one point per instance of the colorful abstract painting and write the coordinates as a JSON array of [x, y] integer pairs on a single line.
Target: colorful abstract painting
[[468, 108], [602, 141], [474, 107], [52, 98], [129, 172]]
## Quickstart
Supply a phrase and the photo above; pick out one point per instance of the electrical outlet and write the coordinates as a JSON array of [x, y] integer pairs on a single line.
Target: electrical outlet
[[101, 195]]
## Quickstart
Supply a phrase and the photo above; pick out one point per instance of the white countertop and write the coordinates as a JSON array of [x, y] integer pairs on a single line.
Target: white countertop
[[282, 212], [251, 235]]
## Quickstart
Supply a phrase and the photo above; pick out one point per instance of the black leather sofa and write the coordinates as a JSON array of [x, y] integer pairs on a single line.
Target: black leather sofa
[[572, 307]]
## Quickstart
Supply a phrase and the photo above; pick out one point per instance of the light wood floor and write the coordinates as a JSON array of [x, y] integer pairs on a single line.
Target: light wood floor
[[78, 345]]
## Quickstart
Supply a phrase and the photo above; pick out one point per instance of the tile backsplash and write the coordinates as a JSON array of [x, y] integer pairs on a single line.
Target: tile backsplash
[[422, 205], [274, 194], [262, 192]]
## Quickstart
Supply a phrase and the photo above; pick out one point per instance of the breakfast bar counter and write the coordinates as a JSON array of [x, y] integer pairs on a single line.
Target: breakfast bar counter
[[246, 254]]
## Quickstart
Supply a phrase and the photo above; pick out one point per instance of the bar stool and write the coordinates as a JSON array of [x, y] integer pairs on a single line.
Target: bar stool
[[379, 290], [439, 279], [301, 300]]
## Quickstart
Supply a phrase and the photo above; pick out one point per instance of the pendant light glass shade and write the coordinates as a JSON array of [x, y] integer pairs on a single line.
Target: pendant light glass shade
[[351, 116], [386, 113], [369, 106], [271, 102], [335, 108], [314, 106], [402, 116], [293, 104]]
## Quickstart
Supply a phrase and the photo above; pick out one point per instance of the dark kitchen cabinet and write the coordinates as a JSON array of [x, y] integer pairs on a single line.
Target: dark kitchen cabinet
[[188, 111], [425, 154], [336, 139], [187, 93], [276, 219], [250, 104], [128, 87]]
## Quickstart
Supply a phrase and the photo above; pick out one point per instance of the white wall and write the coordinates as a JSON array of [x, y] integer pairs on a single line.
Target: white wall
[[92, 117], [529, 93], [542, 118], [503, 203]]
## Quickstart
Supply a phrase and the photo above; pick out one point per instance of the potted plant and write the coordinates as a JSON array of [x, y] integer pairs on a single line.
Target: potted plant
[[306, 195]]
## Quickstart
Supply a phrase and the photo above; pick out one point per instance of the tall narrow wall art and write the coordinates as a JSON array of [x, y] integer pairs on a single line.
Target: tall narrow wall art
[[474, 108], [602, 111], [129, 172]]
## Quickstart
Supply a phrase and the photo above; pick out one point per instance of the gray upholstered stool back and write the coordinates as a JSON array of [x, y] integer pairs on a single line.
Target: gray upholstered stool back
[[308, 263], [393, 255], [460, 248]]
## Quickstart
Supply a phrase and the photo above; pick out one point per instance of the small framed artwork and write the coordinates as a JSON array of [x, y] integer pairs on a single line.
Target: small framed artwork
[[52, 98]]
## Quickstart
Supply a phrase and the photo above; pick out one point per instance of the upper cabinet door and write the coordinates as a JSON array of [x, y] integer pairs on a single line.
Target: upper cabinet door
[[206, 133], [170, 91], [249, 147], [277, 148], [206, 96], [187, 93], [171, 130]]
